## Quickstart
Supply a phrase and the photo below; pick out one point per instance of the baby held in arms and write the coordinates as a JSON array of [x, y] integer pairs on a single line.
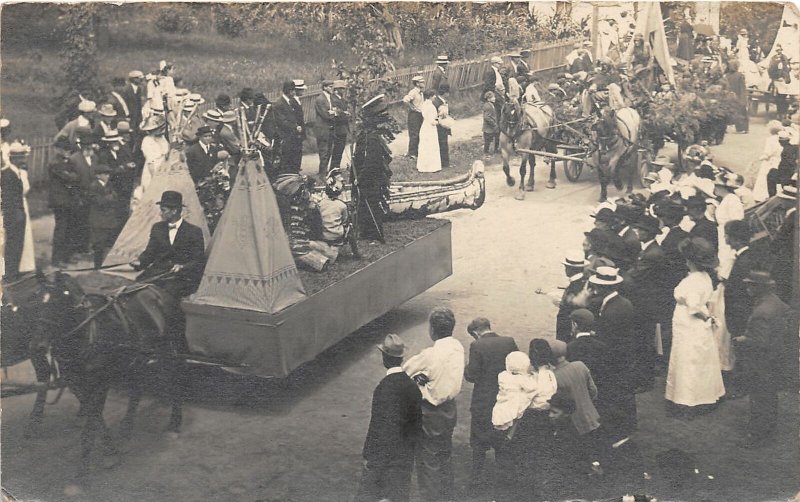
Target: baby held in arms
[[517, 387]]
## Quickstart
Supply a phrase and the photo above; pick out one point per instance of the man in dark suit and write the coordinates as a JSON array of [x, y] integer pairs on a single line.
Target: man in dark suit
[[175, 246], [671, 215], [394, 430], [341, 126], [117, 98], [574, 265], [64, 198], [202, 156], [104, 220], [762, 347], [133, 94], [703, 227], [82, 162], [439, 101], [117, 156], [616, 328], [290, 128], [487, 358], [439, 75], [493, 82], [645, 284], [324, 125], [586, 347]]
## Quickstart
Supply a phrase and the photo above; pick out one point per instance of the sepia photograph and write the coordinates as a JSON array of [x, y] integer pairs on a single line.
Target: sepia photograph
[[403, 251]]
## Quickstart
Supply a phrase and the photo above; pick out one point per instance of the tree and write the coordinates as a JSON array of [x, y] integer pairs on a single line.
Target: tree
[[761, 20]]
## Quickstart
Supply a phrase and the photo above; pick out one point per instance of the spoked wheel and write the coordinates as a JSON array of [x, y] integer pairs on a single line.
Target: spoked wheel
[[643, 162], [572, 170]]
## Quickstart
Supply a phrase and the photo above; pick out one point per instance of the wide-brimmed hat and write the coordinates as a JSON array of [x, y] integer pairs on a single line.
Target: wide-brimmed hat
[[107, 110], [171, 198], [87, 106], [606, 276], [112, 137], [651, 177], [784, 135], [375, 105], [181, 92], [393, 346], [575, 259], [213, 115], [418, 78], [228, 117], [152, 123], [699, 251], [761, 277], [514, 54], [496, 59]]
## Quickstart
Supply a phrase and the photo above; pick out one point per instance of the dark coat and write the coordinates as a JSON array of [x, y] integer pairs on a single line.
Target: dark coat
[[438, 78], [396, 423], [633, 246], [594, 354], [707, 230], [102, 207], [84, 170], [123, 177], [134, 101], [325, 119], [341, 127], [64, 185], [487, 358], [646, 283], [765, 342], [676, 263], [199, 162], [565, 308], [287, 120], [615, 326], [738, 303], [187, 250], [12, 200]]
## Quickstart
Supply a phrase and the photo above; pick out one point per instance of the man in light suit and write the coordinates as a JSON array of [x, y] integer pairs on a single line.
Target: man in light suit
[[394, 430], [324, 125], [487, 358]]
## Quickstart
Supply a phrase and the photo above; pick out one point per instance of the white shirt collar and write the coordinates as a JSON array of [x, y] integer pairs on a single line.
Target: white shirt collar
[[646, 244], [286, 98], [579, 335], [393, 370], [607, 298], [177, 224], [625, 229], [741, 250], [575, 277]]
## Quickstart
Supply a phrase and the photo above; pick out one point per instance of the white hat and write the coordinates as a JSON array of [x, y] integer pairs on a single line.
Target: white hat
[[783, 134], [4, 123], [575, 258], [788, 192], [300, 84], [181, 91], [135, 74], [213, 115], [418, 78], [496, 59], [18, 147], [606, 276], [195, 99], [87, 106]]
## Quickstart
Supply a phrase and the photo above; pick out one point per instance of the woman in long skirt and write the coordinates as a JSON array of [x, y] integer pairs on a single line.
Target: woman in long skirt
[[429, 160], [694, 377]]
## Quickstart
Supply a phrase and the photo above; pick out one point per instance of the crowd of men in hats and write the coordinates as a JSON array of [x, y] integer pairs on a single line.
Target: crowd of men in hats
[[668, 283]]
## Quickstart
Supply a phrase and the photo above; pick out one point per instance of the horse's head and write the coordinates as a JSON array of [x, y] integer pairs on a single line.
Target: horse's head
[[510, 117], [62, 302]]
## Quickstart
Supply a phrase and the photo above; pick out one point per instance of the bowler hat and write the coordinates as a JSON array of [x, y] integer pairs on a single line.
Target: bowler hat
[[605, 215], [647, 222], [393, 346], [606, 276], [171, 198], [246, 94], [223, 100], [582, 317], [759, 277], [123, 126]]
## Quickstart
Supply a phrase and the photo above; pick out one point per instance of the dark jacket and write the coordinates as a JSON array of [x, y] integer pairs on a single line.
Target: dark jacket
[[593, 353], [84, 170], [765, 343], [187, 250], [396, 423], [102, 207], [676, 263], [12, 200], [490, 123], [439, 77], [487, 358], [134, 101], [707, 230], [565, 308], [615, 326], [199, 162], [341, 126], [738, 303], [646, 283], [325, 119], [64, 185], [287, 120], [123, 176]]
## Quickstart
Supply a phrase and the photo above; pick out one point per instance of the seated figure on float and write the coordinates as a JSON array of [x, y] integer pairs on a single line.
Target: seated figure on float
[[335, 217], [604, 93], [302, 221]]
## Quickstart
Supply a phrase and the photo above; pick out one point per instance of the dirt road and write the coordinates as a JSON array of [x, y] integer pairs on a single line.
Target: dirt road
[[300, 439]]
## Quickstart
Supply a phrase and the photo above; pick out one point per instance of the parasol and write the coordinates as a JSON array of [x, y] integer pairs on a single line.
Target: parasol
[[704, 29]]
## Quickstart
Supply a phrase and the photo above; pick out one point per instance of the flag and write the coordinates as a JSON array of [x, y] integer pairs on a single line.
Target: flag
[[650, 24]]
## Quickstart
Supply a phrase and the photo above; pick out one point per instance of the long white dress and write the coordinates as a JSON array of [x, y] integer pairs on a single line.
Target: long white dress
[[28, 261], [429, 160], [772, 152], [694, 376], [731, 208], [154, 150]]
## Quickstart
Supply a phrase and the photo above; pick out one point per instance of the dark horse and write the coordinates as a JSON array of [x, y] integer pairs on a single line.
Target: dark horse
[[97, 339], [21, 340], [526, 126], [616, 135]]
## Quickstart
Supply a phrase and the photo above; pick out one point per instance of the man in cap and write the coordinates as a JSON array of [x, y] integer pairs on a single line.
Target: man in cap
[[761, 348], [394, 430], [438, 370], [246, 104], [201, 156], [290, 128], [175, 246], [487, 358], [414, 100], [341, 123], [440, 76], [493, 82], [83, 123], [324, 125], [587, 348], [133, 94], [645, 283], [574, 266], [615, 327], [523, 69]]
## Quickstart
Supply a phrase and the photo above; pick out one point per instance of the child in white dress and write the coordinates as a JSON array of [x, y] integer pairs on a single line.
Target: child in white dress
[[517, 387]]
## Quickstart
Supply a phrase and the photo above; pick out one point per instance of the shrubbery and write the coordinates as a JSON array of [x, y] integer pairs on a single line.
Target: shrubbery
[[175, 20]]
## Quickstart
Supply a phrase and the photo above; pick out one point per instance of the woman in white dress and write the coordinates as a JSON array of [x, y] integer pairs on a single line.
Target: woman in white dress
[[694, 377], [429, 160], [17, 156], [155, 148], [770, 158]]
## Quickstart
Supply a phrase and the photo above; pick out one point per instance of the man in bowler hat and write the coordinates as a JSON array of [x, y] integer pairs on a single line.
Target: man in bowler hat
[[394, 430]]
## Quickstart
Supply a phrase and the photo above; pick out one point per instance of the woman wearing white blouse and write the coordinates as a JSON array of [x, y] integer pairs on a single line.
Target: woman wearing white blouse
[[429, 160], [770, 158]]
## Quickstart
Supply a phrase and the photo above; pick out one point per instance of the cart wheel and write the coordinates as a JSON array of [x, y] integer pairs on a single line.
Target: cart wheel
[[572, 170], [644, 158]]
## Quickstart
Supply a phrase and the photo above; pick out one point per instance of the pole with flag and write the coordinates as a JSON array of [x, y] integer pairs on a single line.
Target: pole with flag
[[650, 24]]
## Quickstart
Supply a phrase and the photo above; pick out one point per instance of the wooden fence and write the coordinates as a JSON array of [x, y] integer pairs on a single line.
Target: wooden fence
[[463, 75]]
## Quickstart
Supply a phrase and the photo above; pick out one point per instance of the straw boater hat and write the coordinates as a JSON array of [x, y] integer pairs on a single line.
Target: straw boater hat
[[443, 59], [228, 117], [418, 78], [299, 84], [575, 259], [213, 115], [112, 137], [87, 106], [606, 276], [107, 110], [496, 59], [135, 74], [18, 148], [195, 98], [788, 192], [339, 84]]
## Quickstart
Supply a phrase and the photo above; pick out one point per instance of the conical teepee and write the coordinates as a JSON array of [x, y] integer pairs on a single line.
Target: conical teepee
[[250, 265], [171, 175]]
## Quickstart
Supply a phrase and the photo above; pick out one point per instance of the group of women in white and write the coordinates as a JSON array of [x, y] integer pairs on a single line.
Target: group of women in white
[[429, 159]]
